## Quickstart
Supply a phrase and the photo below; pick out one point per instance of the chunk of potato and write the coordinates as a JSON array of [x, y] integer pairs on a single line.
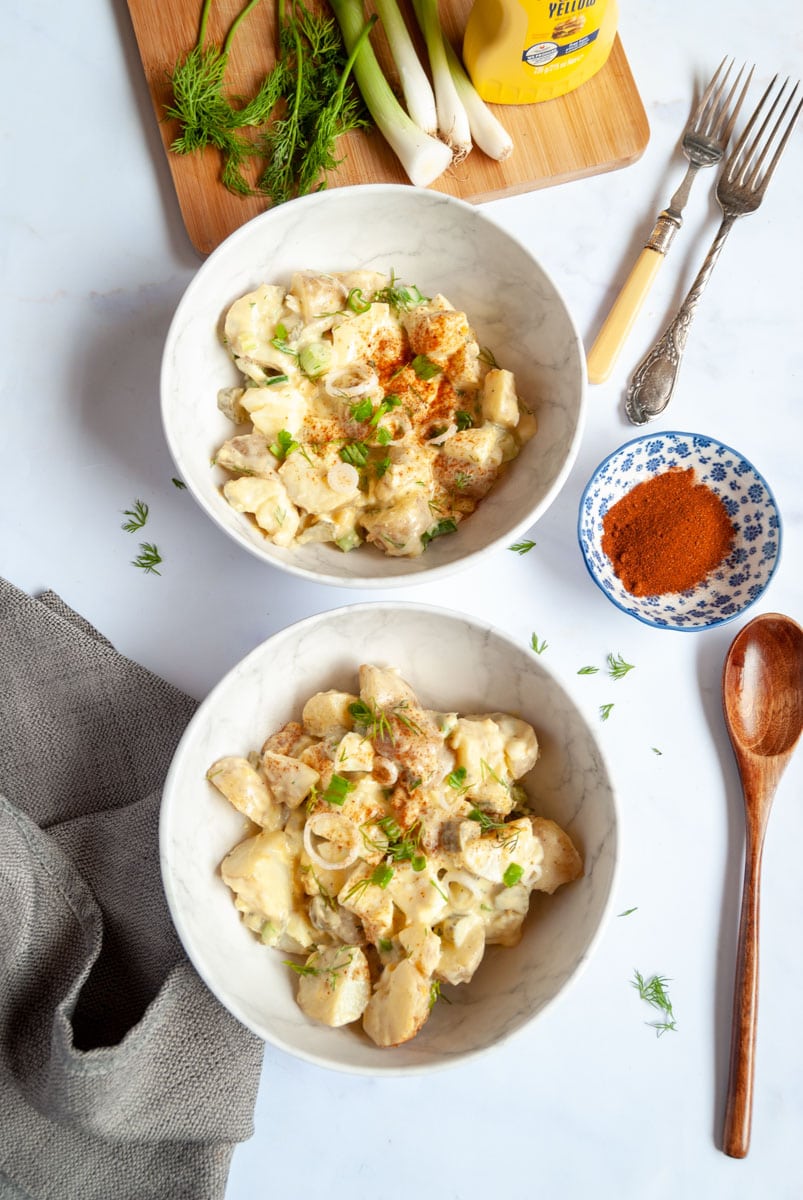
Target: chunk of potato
[[399, 1005], [562, 862], [245, 788], [500, 403], [289, 780], [326, 714], [269, 503], [336, 985], [261, 873]]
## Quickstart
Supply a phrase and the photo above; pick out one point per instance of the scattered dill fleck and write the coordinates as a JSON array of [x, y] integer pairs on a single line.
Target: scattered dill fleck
[[655, 750], [148, 558], [617, 667], [653, 990], [628, 911], [178, 483], [588, 671], [521, 547], [605, 711], [539, 648], [137, 516]]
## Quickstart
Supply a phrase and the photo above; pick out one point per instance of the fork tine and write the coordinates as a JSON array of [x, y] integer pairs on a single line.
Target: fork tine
[[754, 154], [782, 144], [722, 131], [735, 157], [702, 106], [747, 159]]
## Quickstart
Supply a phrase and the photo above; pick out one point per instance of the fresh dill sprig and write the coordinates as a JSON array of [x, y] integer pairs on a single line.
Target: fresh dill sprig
[[605, 711], [318, 104], [538, 647], [205, 116], [148, 558], [617, 667], [653, 991], [521, 547], [309, 969], [588, 671], [137, 516]]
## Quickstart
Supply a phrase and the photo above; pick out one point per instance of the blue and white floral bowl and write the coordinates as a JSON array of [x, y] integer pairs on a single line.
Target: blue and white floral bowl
[[747, 570]]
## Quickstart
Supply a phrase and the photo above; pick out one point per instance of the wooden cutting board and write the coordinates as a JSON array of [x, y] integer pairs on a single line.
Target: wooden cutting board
[[599, 127]]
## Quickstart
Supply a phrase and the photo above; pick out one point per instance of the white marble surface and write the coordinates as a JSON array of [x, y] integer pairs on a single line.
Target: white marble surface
[[94, 260]]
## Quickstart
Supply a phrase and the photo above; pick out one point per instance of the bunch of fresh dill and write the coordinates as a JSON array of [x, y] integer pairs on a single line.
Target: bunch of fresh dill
[[303, 104]]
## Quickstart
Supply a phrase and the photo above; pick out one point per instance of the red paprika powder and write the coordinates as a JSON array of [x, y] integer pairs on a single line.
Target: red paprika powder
[[666, 534]]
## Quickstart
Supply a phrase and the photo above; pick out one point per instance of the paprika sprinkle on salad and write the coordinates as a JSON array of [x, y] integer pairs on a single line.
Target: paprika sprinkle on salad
[[666, 534]]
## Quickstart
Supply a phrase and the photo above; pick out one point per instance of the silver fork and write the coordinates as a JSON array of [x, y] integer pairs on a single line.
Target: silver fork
[[740, 190], [705, 139]]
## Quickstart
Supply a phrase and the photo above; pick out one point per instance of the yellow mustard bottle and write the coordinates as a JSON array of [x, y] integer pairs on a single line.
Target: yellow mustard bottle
[[522, 51]]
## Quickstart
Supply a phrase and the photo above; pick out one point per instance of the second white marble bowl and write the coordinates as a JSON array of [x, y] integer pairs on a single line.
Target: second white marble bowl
[[442, 245], [455, 663]]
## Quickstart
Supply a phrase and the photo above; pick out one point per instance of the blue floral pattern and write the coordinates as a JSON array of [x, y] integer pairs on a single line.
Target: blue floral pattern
[[745, 573]]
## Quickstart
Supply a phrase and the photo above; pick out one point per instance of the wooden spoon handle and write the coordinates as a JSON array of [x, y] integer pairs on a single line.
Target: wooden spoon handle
[[739, 1106]]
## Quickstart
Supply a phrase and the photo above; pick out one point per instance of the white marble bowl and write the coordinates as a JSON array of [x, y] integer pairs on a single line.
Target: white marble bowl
[[744, 575], [440, 244], [455, 663]]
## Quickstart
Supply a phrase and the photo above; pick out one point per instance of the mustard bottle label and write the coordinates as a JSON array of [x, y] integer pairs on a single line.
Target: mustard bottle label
[[563, 30], [519, 51]]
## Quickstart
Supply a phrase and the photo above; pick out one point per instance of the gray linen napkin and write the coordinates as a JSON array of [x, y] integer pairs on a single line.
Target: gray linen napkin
[[120, 1074]]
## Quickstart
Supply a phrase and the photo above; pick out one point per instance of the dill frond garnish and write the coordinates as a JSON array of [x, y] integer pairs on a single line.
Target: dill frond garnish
[[617, 667], [653, 991], [137, 516], [148, 558]]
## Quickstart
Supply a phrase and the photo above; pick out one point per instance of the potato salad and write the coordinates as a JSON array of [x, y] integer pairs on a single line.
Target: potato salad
[[368, 412], [389, 844]]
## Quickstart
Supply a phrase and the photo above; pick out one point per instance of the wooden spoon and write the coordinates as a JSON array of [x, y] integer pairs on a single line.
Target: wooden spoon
[[762, 695]]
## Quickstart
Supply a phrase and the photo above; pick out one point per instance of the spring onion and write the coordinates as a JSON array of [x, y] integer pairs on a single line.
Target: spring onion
[[423, 157], [417, 90], [486, 132], [453, 123]]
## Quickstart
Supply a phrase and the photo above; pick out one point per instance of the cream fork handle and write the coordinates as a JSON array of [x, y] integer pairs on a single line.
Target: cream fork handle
[[655, 377], [616, 327]]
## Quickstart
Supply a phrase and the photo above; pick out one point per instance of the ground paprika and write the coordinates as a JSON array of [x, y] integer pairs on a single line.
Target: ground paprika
[[666, 534]]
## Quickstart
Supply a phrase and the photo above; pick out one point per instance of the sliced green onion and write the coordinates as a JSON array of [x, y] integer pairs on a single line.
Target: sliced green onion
[[315, 358], [362, 410], [355, 453], [285, 444], [447, 525], [425, 368], [338, 789], [382, 875], [349, 541], [357, 302], [512, 875]]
